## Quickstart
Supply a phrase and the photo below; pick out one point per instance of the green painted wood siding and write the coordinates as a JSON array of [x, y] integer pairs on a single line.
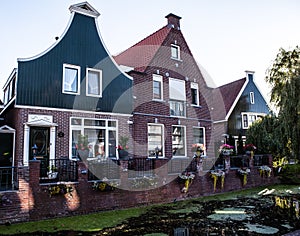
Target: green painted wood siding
[[40, 79]]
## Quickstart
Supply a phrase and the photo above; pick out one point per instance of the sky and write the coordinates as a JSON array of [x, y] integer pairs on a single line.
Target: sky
[[226, 37]]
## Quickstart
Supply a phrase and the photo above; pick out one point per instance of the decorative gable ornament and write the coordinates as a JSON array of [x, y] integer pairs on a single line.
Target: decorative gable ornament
[[84, 8]]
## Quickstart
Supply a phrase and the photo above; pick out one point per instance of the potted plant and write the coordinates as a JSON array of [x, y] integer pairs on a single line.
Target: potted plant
[[122, 147], [82, 147], [226, 149], [52, 172]]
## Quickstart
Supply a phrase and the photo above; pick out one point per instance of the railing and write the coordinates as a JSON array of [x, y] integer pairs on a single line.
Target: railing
[[58, 170], [261, 160], [140, 167], [8, 178], [104, 169]]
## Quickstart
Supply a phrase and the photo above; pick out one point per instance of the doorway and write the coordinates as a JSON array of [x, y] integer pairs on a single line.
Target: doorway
[[40, 147]]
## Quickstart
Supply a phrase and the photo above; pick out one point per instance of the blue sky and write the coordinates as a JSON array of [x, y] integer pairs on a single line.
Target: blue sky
[[225, 37]]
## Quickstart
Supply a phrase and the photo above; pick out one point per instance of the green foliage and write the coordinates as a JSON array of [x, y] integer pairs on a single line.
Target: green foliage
[[265, 135], [284, 77], [290, 174]]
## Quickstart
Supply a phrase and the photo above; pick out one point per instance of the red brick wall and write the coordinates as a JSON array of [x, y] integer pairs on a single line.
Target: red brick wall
[[33, 202]]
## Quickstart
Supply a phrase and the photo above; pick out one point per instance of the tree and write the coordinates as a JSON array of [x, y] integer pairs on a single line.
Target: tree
[[284, 77], [265, 135]]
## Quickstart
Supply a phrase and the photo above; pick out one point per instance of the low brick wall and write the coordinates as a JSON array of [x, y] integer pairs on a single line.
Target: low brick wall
[[33, 201]]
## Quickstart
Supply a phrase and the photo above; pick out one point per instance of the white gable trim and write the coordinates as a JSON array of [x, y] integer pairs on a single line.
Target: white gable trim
[[90, 11], [237, 99]]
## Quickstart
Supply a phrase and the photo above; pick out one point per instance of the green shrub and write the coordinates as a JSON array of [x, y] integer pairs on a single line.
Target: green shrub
[[290, 174]]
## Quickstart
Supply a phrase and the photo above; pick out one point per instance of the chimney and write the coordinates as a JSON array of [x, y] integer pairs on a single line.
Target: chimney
[[173, 21], [249, 74]]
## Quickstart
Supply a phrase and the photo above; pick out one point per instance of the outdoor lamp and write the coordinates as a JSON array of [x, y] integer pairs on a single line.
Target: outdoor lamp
[[34, 149]]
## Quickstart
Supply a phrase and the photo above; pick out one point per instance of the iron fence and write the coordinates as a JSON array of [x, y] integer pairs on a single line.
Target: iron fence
[[62, 169]]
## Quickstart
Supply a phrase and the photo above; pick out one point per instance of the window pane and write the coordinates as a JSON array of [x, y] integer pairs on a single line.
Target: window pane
[[194, 93], [75, 134], [245, 121], [112, 143], [177, 89], [177, 108], [75, 121], [94, 83], [174, 51], [156, 89], [71, 80], [155, 140], [198, 134], [178, 141], [94, 123]]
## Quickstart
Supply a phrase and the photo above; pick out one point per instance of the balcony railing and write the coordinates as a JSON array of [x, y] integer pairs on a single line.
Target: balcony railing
[[58, 170], [8, 178]]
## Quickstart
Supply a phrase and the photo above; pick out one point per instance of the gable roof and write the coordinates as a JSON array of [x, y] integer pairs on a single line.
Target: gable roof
[[140, 55], [231, 93]]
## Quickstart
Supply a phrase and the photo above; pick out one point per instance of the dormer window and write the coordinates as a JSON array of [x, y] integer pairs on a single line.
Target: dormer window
[[252, 98], [71, 79], [93, 82], [175, 52]]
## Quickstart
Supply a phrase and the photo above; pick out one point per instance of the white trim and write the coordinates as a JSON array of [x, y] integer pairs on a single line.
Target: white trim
[[237, 99], [87, 82], [178, 51], [8, 104], [65, 65], [256, 114], [91, 12], [158, 78], [252, 99], [195, 86], [162, 136], [52, 46], [204, 136], [185, 147], [72, 110], [11, 76]]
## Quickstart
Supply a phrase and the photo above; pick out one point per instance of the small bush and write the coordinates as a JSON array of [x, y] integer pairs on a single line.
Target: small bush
[[290, 174]]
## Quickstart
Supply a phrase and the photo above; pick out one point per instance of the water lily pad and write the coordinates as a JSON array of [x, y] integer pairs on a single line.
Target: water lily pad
[[261, 229]]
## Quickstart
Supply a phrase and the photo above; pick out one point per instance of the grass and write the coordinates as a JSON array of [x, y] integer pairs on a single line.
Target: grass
[[97, 221]]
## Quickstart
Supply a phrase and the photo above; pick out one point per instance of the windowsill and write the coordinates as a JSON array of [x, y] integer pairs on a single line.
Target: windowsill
[[180, 157], [198, 106], [158, 100], [177, 116], [159, 158], [176, 59]]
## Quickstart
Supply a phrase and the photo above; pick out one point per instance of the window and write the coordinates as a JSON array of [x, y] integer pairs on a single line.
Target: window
[[195, 94], [177, 97], [155, 140], [94, 82], [199, 135], [175, 52], [178, 141], [157, 87], [101, 135], [252, 98], [71, 79], [249, 118]]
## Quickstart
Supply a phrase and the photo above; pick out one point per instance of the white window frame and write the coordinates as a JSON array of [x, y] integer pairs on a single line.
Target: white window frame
[[158, 78], [249, 122], [184, 141], [177, 51], [252, 101], [162, 140], [81, 127], [87, 82], [78, 79], [196, 87], [177, 98], [204, 139]]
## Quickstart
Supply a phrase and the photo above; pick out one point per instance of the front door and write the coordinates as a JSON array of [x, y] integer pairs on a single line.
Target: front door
[[39, 138]]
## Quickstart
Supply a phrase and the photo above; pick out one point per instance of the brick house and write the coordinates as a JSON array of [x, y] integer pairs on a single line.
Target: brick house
[[76, 93], [171, 95], [242, 104]]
